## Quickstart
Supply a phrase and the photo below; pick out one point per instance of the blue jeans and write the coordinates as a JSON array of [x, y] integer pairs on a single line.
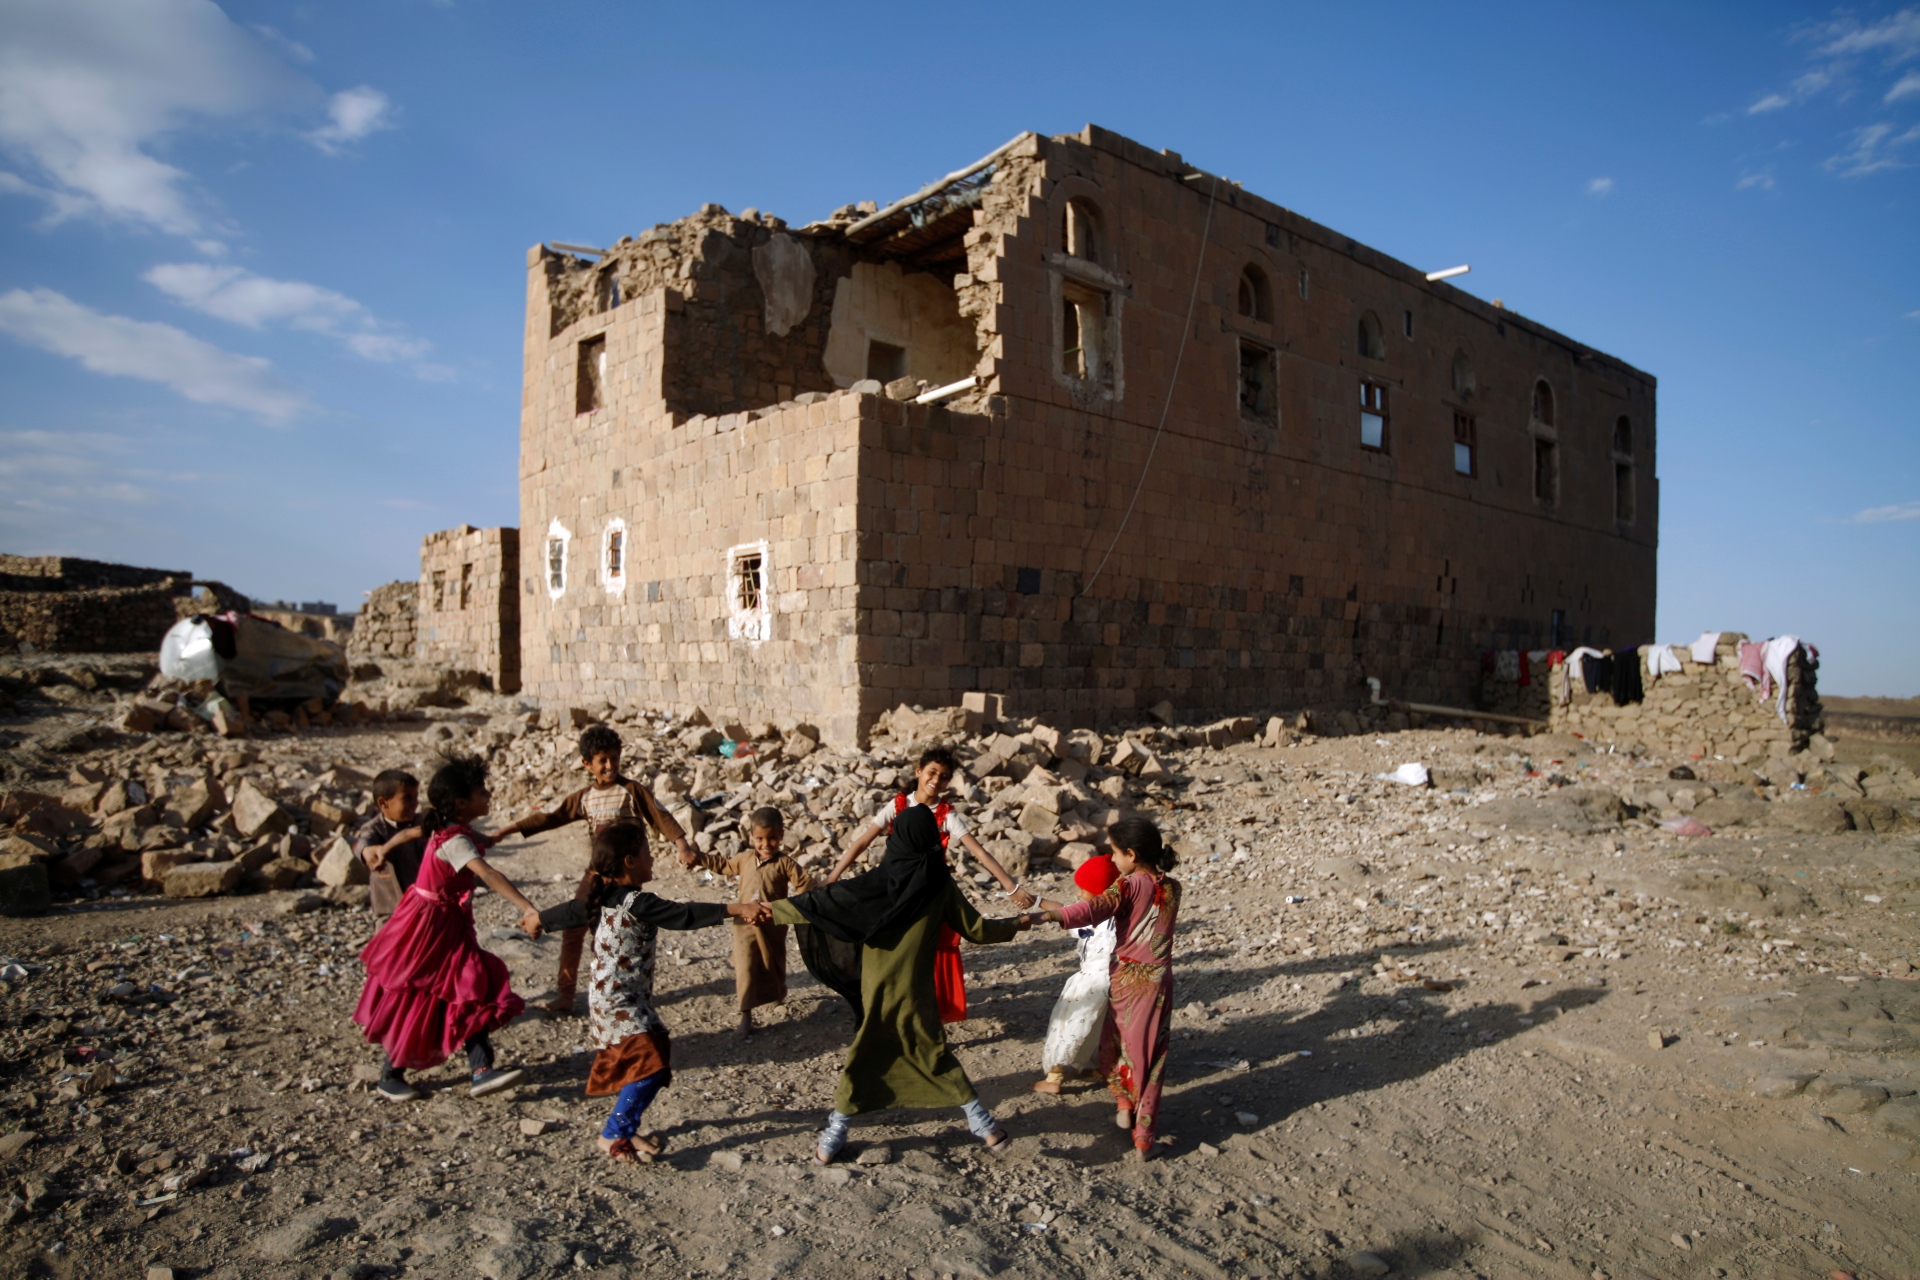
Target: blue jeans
[[631, 1105]]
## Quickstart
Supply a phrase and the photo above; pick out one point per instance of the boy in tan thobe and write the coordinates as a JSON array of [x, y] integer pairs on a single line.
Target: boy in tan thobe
[[765, 875]]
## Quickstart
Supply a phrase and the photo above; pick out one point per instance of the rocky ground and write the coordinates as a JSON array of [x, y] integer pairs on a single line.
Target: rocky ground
[[1503, 1024]]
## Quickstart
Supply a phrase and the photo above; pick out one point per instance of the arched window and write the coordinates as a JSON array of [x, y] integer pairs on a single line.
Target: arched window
[[1623, 437], [1462, 374], [1081, 235], [1256, 297], [1543, 403], [1373, 344]]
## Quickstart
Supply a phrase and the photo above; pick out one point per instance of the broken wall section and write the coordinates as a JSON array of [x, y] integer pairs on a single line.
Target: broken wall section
[[469, 602], [60, 604], [388, 623], [1702, 710]]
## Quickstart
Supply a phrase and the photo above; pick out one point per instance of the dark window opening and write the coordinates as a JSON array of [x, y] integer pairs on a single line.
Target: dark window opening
[[1257, 399], [1303, 282], [1543, 404], [616, 477], [1409, 324], [1462, 374], [885, 361], [1623, 438], [1083, 326], [1373, 344], [653, 593], [466, 585], [1026, 581], [748, 585], [609, 292], [1296, 585], [1546, 471], [591, 380], [556, 565], [616, 553], [1623, 492], [1080, 232], [1464, 462], [1256, 298], [439, 590], [1558, 633], [1373, 416]]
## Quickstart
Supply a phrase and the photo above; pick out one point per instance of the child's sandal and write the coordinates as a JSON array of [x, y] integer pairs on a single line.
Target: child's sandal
[[1046, 1086]]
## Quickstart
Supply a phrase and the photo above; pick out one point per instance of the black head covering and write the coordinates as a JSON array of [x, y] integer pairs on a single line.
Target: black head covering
[[912, 874]]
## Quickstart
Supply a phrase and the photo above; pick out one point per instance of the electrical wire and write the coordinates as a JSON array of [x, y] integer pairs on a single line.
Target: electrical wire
[[1173, 380]]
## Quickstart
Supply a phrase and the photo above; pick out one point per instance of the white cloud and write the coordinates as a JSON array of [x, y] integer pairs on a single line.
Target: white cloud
[[87, 87], [1908, 86], [240, 297], [1772, 102], [1600, 187], [352, 115], [1872, 150], [1883, 515], [121, 347], [51, 469], [1761, 181], [1897, 35]]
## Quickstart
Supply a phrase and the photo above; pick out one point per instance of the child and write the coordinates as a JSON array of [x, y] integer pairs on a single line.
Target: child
[[1073, 1033], [430, 988], [611, 798], [1143, 905], [634, 1058], [388, 842], [935, 770], [765, 875]]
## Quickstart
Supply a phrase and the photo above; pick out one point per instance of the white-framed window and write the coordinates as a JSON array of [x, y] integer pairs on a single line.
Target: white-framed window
[[613, 556], [559, 537], [749, 597]]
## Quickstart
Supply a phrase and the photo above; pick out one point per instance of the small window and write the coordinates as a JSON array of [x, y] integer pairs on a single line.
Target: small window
[[1623, 492], [1257, 400], [1409, 324], [1373, 416], [439, 590], [466, 585], [748, 617], [1543, 404], [1256, 299], [1373, 344], [613, 556], [608, 293], [1303, 282], [1464, 463], [1081, 233], [1462, 374], [1623, 438], [558, 539], [1083, 328], [1546, 471], [885, 362], [591, 380]]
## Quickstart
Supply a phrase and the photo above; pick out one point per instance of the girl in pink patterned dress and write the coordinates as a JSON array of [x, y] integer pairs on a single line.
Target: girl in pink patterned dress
[[1143, 905], [431, 991]]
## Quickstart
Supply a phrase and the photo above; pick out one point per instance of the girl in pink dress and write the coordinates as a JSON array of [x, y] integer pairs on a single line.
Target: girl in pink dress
[[430, 989], [1143, 905]]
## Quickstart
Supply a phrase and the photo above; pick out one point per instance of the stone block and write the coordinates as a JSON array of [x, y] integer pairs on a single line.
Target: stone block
[[155, 863], [203, 879], [338, 866], [256, 814], [280, 873], [195, 805], [1038, 819]]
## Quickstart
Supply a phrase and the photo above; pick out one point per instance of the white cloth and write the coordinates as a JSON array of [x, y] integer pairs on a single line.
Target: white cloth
[[457, 852], [1570, 666], [1779, 649], [620, 978], [1703, 647], [1073, 1032], [883, 820], [1661, 661]]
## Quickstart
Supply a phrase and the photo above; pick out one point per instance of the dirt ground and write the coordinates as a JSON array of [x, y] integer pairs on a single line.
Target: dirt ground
[[1499, 1026]]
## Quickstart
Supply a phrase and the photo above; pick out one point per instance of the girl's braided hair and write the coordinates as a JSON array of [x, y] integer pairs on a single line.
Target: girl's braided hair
[[451, 783]]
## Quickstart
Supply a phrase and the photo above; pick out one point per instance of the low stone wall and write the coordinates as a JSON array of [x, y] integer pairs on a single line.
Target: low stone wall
[[1702, 710], [388, 624], [109, 620]]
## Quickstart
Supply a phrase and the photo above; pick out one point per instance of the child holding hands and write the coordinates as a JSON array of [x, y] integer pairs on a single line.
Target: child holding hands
[[634, 1058], [1143, 905], [765, 874], [430, 989], [1073, 1032]]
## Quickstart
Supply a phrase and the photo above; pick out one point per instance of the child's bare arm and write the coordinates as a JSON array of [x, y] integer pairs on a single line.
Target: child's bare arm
[[529, 914], [1021, 898], [868, 832]]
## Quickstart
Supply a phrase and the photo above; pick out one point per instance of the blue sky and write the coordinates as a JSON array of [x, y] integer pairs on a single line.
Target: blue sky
[[261, 273]]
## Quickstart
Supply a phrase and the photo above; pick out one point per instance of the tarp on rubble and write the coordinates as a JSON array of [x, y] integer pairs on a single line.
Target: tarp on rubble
[[249, 657]]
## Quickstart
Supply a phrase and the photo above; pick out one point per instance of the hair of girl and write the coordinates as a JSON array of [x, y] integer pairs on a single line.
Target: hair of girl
[[940, 756], [451, 783], [1141, 838], [614, 845], [767, 819]]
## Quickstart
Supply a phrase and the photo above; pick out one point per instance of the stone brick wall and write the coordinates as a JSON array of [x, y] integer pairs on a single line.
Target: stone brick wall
[[105, 620], [69, 573], [386, 626], [1704, 710], [468, 606], [1271, 559]]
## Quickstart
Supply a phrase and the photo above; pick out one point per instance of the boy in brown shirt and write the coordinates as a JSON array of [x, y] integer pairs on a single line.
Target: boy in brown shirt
[[609, 799], [766, 875]]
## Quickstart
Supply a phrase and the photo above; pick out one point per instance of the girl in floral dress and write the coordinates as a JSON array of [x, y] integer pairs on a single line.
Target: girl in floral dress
[[1143, 904]]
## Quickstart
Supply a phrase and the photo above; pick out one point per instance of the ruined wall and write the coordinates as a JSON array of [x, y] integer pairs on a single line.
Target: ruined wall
[[913, 311], [1704, 710], [69, 573], [61, 604], [387, 624], [468, 606]]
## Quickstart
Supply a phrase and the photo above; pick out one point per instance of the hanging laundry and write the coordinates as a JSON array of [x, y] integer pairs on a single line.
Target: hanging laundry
[[1577, 660], [1703, 647], [1597, 671], [1774, 666], [1506, 666], [1662, 661], [1753, 662], [1626, 677]]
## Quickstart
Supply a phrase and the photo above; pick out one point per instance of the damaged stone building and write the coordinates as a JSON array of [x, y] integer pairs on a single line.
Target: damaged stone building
[[804, 474]]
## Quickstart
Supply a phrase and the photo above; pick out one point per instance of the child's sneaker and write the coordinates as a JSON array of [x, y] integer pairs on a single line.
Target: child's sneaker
[[492, 1081], [397, 1091]]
